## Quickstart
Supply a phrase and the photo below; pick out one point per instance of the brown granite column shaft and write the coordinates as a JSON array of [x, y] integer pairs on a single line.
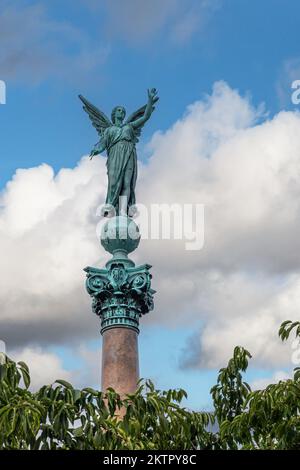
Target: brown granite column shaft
[[120, 360]]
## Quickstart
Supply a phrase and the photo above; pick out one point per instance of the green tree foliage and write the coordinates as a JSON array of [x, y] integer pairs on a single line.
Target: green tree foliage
[[59, 416]]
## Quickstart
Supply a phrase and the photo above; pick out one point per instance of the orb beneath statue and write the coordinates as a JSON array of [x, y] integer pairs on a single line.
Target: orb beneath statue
[[120, 234]]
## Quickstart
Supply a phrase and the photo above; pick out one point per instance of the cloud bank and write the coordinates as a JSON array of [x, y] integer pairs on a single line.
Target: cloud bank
[[223, 153]]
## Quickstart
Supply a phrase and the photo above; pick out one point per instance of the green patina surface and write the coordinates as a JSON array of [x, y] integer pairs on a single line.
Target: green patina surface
[[119, 138], [121, 292]]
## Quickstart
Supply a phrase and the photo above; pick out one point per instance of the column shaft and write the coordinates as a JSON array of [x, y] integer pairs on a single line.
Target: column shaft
[[120, 361]]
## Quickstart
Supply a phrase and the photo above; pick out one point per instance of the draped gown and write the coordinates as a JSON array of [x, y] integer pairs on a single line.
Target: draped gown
[[121, 157]]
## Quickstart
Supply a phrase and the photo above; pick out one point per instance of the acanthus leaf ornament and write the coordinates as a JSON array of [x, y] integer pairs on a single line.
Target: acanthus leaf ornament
[[121, 294]]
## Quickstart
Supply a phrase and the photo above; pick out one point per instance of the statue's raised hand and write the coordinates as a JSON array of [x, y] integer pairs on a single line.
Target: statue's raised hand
[[152, 95]]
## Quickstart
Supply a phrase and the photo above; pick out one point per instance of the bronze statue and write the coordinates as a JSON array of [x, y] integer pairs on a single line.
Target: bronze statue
[[119, 139]]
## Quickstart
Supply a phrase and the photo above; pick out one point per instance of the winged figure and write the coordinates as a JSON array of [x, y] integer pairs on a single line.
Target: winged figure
[[119, 138]]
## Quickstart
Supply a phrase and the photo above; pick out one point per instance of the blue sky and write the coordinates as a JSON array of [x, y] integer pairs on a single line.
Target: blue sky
[[111, 52], [243, 42]]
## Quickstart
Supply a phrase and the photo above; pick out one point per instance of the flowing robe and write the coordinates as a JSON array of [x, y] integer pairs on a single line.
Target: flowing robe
[[121, 157]]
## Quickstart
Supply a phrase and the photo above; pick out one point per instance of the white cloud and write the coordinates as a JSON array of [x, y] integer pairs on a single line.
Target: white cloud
[[47, 237], [245, 280], [44, 367], [262, 383], [222, 153], [247, 312]]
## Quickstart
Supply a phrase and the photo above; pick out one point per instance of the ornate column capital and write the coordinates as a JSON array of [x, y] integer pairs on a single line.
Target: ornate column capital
[[121, 293]]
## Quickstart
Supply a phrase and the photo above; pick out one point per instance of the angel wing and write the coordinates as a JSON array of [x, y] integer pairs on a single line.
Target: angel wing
[[140, 112], [99, 120]]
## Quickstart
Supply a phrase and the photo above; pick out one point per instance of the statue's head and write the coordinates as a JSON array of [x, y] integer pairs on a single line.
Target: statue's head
[[118, 112]]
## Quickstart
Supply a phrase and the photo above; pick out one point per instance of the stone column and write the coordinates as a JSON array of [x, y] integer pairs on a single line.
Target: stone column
[[120, 360], [121, 294]]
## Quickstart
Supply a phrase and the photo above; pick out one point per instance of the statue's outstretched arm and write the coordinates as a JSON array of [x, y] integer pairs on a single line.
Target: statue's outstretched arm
[[142, 115]]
